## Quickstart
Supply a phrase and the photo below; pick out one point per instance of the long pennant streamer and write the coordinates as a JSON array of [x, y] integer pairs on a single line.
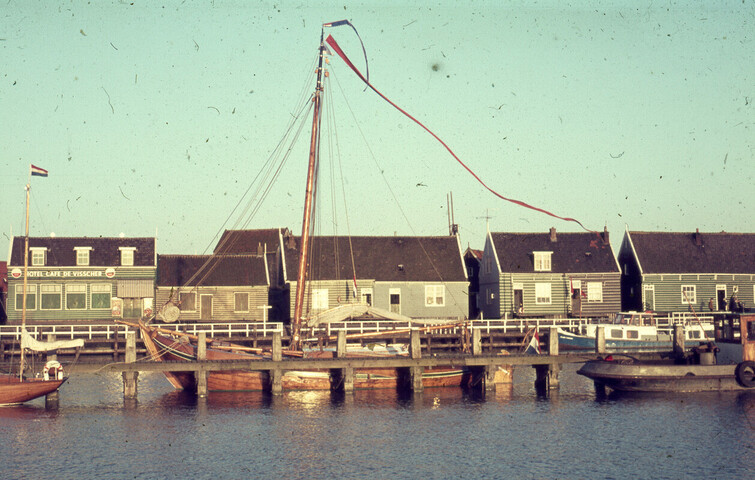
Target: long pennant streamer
[[332, 42]]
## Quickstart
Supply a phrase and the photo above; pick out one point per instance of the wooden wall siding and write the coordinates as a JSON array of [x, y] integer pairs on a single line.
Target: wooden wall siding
[[413, 299], [340, 292], [223, 303], [611, 294], [668, 290], [87, 314]]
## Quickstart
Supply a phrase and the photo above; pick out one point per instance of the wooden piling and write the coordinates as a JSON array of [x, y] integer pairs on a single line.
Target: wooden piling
[[553, 350], [130, 379], [476, 342], [600, 340], [679, 339], [202, 356], [415, 351], [276, 375], [346, 375]]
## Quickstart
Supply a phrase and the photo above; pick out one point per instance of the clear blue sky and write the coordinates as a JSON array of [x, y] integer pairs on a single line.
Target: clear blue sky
[[157, 116]]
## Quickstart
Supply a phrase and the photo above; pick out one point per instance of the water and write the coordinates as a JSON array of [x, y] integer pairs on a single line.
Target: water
[[443, 433]]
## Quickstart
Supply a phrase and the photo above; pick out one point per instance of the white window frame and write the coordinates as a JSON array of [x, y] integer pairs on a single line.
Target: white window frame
[[82, 256], [76, 289], [51, 289], [38, 256], [367, 296], [100, 289], [391, 292], [542, 261], [235, 302], [319, 299], [31, 291], [543, 294], [594, 292], [182, 296], [689, 299], [127, 256], [435, 295]]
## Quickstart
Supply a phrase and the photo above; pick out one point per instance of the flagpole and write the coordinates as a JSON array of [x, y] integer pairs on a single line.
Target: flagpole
[[26, 271]]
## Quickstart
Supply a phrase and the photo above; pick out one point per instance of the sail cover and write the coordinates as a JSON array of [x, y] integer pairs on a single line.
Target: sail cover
[[27, 341]]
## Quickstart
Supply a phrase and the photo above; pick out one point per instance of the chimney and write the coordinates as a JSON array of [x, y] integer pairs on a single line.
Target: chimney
[[698, 238], [553, 235], [604, 235], [259, 248]]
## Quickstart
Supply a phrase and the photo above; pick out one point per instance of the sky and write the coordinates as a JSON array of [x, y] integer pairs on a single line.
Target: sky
[[154, 118]]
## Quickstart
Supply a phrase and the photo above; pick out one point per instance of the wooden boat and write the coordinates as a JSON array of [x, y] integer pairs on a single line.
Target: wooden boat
[[727, 364], [635, 332], [15, 389]]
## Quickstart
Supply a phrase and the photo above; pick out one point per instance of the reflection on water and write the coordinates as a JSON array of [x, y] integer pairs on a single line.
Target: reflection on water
[[574, 432]]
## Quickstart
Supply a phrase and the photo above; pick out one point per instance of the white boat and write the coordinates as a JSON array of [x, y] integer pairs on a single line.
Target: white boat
[[638, 332]]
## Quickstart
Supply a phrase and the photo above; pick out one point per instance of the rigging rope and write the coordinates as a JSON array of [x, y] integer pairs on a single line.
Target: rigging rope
[[331, 41]]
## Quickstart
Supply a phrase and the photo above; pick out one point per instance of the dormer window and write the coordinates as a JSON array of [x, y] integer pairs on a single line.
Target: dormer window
[[127, 256], [543, 261], [82, 256], [38, 256]]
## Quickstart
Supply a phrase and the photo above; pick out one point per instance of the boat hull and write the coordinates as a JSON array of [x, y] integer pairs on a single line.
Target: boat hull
[[14, 391], [573, 342], [240, 380], [650, 377]]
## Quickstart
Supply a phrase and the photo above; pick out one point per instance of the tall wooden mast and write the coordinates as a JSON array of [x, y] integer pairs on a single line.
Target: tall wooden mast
[[314, 153], [26, 271]]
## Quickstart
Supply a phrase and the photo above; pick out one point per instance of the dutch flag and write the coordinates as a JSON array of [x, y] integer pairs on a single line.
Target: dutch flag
[[38, 172]]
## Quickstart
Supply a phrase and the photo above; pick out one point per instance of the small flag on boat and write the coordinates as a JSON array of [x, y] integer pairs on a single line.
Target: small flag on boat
[[533, 348], [38, 172]]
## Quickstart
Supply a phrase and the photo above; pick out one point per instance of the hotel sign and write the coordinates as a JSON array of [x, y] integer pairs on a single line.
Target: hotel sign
[[104, 273]]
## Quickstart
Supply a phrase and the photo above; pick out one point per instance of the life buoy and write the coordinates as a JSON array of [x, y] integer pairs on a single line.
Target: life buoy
[[745, 374]]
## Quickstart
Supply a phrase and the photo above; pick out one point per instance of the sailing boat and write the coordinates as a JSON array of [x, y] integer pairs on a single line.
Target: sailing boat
[[15, 389], [163, 344]]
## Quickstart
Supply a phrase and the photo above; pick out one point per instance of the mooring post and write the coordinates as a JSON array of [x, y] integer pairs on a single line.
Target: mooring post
[[415, 351], [679, 339], [476, 341], [276, 375], [201, 357], [346, 374], [130, 378], [554, 368], [52, 399], [600, 340]]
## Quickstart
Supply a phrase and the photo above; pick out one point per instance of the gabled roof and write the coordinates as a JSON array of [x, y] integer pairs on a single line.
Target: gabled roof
[[255, 241], [585, 252], [669, 252], [104, 253], [208, 270], [401, 259], [473, 254]]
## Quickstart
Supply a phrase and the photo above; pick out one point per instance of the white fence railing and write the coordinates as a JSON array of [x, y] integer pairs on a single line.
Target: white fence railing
[[108, 331]]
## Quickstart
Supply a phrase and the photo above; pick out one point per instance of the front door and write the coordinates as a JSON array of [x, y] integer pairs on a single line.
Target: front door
[[518, 300], [721, 298], [395, 300], [205, 312], [132, 308], [649, 294]]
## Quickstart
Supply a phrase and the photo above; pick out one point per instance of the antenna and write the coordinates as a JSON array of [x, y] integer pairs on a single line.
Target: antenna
[[453, 228]]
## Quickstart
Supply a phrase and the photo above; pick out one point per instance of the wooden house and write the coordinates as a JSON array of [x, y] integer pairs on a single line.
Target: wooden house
[[212, 288], [674, 272], [418, 277], [548, 275], [82, 278]]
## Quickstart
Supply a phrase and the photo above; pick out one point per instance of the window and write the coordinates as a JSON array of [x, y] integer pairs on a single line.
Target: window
[[367, 296], [435, 295], [617, 333], [319, 298], [31, 297], [394, 300], [689, 296], [127, 255], [633, 334], [50, 297], [241, 302], [82, 255], [543, 261], [543, 293], [187, 302], [76, 297], [594, 291], [101, 295], [38, 255]]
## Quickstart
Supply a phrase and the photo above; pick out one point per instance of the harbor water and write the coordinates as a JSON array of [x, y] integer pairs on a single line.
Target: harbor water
[[441, 433]]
